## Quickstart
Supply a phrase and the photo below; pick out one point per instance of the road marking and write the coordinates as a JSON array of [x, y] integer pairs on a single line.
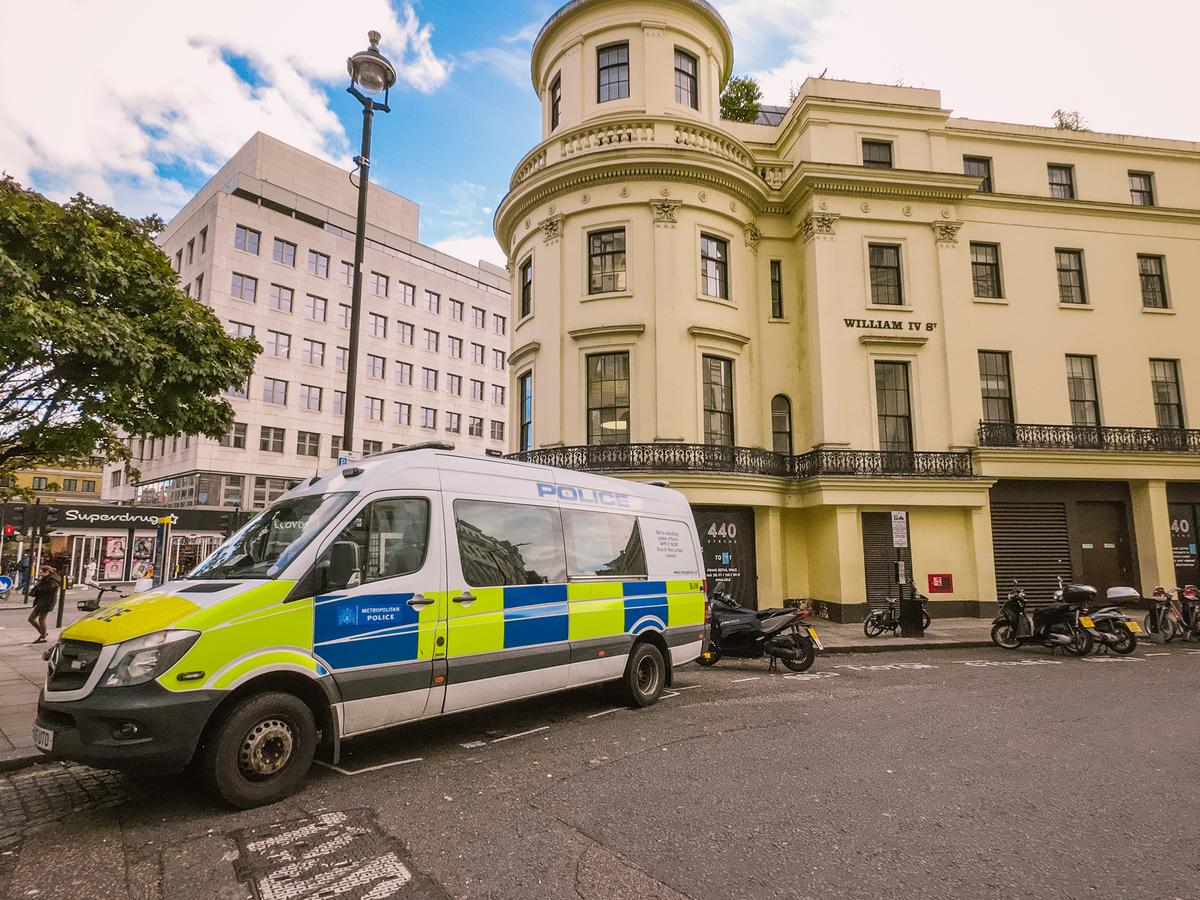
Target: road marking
[[667, 695], [1166, 653], [1002, 663], [811, 676], [340, 770], [1112, 659], [740, 680], [605, 712], [688, 687], [509, 737], [887, 667], [471, 745]]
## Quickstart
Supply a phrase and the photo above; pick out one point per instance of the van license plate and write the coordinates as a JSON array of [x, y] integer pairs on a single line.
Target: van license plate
[[43, 738]]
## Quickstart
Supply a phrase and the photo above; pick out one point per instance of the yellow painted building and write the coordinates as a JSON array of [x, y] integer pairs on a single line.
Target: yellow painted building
[[857, 323], [60, 484]]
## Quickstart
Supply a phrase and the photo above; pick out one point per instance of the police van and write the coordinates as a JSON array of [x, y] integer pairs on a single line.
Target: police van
[[404, 586]]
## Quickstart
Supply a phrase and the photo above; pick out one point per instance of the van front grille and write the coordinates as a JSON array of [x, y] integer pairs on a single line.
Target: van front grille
[[71, 664]]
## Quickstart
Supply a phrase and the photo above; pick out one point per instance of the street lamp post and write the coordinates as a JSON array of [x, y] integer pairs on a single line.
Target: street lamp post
[[370, 75]]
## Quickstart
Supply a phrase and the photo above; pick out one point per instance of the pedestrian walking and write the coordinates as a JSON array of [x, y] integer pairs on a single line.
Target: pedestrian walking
[[45, 595]]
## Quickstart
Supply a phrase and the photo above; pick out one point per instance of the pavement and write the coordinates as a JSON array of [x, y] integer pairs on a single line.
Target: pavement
[[943, 774]]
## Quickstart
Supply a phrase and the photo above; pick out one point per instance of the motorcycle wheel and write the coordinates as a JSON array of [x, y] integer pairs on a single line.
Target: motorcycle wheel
[[807, 655], [713, 656], [1126, 641], [872, 627], [1003, 636], [1082, 642]]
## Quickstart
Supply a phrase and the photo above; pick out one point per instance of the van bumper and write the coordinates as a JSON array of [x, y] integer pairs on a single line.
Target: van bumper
[[143, 727]]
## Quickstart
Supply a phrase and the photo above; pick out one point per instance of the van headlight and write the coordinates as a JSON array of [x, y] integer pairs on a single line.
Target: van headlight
[[143, 658]]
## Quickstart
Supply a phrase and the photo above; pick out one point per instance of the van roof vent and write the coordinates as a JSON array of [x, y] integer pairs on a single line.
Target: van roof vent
[[423, 445], [659, 483]]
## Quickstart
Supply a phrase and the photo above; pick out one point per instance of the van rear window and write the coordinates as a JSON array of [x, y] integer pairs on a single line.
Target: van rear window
[[603, 545], [509, 543]]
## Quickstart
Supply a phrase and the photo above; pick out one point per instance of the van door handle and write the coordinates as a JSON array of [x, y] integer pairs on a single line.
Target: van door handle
[[466, 598], [419, 601]]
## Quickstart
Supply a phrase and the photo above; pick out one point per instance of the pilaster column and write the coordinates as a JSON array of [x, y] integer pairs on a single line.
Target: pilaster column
[[1152, 527], [768, 540]]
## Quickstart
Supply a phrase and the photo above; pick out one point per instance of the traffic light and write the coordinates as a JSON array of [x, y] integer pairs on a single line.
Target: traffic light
[[50, 519], [228, 522], [9, 531], [17, 519]]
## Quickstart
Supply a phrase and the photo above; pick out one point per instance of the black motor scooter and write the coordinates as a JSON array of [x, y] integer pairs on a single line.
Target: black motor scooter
[[1057, 625], [742, 633]]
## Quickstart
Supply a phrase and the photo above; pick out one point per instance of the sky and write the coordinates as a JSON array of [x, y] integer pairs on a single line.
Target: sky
[[138, 102]]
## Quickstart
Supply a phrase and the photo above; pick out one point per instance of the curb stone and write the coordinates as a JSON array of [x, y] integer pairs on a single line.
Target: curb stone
[[914, 644], [11, 760]]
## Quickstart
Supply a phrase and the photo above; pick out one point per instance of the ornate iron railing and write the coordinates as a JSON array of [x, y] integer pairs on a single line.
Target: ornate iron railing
[[1089, 437], [750, 461]]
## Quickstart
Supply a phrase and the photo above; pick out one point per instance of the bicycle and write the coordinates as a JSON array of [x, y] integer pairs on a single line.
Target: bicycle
[[887, 618], [101, 589]]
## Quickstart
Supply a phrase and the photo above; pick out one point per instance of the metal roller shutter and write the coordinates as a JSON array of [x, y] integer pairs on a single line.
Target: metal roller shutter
[[879, 557], [1030, 544]]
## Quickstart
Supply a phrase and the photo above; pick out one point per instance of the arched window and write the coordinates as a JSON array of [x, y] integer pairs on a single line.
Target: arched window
[[781, 424]]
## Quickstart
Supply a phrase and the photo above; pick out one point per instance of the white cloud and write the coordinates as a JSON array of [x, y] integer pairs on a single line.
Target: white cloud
[[510, 64], [473, 249], [150, 87]]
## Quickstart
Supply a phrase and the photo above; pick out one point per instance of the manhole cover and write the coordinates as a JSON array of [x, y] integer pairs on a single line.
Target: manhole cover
[[333, 855]]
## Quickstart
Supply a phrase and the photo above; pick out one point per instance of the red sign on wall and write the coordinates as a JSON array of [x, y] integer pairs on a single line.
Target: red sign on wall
[[941, 584]]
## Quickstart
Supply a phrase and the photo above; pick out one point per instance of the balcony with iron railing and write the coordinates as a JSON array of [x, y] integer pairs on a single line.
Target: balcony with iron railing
[[1088, 437], [710, 458]]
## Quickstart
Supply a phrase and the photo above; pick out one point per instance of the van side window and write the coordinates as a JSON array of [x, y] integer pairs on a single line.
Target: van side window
[[392, 537], [670, 549], [509, 543], [603, 545]]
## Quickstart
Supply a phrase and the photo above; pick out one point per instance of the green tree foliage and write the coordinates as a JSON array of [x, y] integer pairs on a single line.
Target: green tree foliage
[[739, 100], [96, 337]]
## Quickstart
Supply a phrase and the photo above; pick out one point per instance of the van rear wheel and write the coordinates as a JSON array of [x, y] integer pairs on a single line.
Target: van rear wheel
[[261, 750], [645, 675]]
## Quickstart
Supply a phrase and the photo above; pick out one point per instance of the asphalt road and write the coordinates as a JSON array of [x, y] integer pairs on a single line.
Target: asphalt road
[[941, 774]]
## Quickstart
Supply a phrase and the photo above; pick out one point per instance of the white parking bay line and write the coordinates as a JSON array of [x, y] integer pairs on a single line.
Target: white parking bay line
[[688, 687], [509, 737], [1165, 653], [340, 770], [740, 680], [605, 712]]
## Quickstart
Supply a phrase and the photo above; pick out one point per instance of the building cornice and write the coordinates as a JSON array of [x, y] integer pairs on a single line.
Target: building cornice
[[523, 351], [1033, 203], [601, 331], [718, 334], [1038, 136], [811, 178]]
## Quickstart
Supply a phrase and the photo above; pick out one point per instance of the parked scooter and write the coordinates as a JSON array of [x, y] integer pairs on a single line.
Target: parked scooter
[[1057, 625], [741, 633], [1168, 620], [1110, 627]]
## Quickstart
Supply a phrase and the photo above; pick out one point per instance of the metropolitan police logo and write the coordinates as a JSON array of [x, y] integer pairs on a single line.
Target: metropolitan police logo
[[347, 615]]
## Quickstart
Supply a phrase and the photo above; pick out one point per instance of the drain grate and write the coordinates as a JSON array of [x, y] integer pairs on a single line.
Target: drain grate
[[339, 855]]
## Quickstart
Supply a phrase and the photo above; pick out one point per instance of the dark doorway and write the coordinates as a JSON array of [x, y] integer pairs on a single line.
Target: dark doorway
[[1104, 545], [1184, 518], [879, 558], [727, 539]]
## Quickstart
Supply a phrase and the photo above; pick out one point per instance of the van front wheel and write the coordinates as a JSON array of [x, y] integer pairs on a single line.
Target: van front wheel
[[261, 750], [645, 674]]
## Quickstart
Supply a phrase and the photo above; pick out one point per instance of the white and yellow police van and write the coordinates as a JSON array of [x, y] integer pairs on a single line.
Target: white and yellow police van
[[407, 585]]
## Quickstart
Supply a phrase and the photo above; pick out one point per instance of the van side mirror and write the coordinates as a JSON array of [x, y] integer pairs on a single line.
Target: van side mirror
[[343, 569]]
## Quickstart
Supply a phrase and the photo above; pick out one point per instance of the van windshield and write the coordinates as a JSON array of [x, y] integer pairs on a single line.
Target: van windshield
[[273, 538]]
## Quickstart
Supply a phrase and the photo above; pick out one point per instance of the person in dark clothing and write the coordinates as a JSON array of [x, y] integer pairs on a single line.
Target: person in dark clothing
[[45, 596]]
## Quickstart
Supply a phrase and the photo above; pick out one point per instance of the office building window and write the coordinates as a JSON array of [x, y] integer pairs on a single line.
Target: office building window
[[781, 424], [243, 287], [555, 101], [378, 284], [370, 447], [1168, 403], [429, 379], [894, 407], [453, 422], [498, 394], [315, 307], [339, 402], [246, 239], [428, 417], [347, 272], [179, 261], [89, 486], [377, 325], [341, 358], [981, 168], [239, 329], [606, 261], [877, 154], [1062, 182], [497, 430], [1154, 282], [235, 437], [454, 346], [477, 351], [318, 264], [456, 310], [776, 289], [886, 288], [375, 366], [525, 412], [608, 398], [612, 81], [433, 302], [1070, 276], [404, 372], [454, 384], [1082, 391], [283, 252], [498, 360], [280, 298], [686, 92], [476, 389], [203, 240], [310, 397], [373, 408], [268, 490], [718, 401], [308, 443], [275, 391], [200, 287], [187, 290], [238, 391], [985, 270], [475, 426], [527, 287], [432, 339], [714, 266], [406, 293], [478, 317], [402, 413], [70, 484], [270, 439], [335, 445], [344, 315], [499, 325], [404, 333], [278, 344], [1141, 188], [191, 251], [995, 387]]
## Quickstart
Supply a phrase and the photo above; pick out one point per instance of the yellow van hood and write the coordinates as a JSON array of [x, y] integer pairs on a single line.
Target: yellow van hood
[[130, 618]]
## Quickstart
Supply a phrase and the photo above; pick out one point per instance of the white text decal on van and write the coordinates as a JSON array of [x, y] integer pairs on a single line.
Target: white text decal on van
[[583, 495]]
